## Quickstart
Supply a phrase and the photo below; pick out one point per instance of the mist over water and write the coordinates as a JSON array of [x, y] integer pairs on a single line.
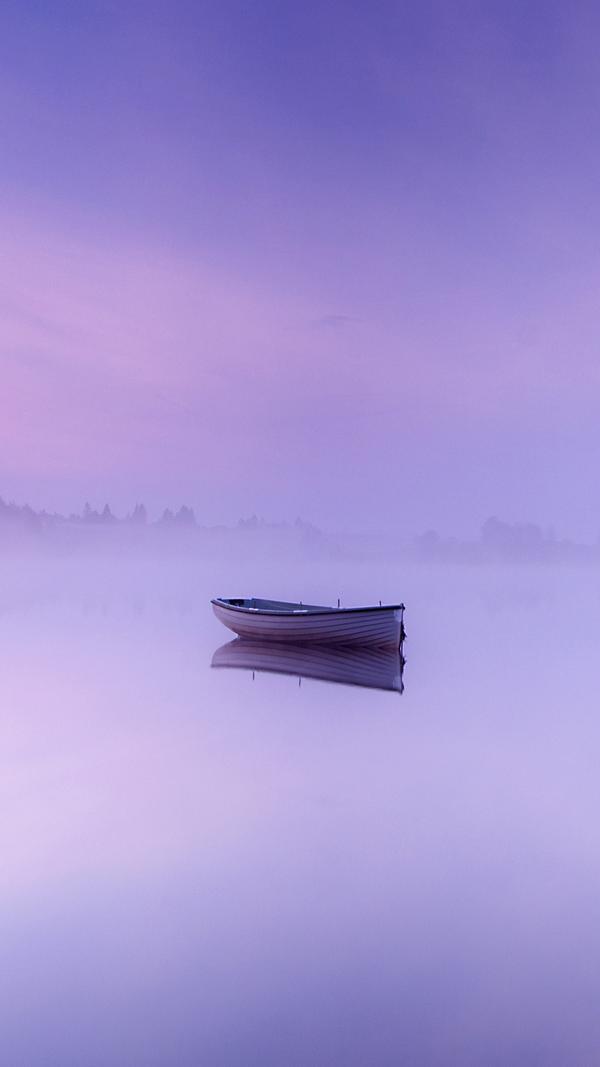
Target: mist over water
[[199, 867]]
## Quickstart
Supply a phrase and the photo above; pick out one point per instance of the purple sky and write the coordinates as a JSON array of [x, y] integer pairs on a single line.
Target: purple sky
[[334, 259]]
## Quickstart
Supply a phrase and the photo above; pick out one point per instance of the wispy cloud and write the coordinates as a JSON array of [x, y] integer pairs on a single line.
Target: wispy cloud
[[334, 322]]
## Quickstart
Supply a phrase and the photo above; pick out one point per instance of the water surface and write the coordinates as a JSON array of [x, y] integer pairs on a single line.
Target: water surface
[[202, 867]]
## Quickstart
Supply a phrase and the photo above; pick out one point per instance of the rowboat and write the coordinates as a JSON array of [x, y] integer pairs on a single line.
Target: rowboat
[[373, 668], [280, 621]]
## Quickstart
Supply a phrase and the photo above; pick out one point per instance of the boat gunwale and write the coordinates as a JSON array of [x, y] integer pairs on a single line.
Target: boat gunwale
[[301, 612]]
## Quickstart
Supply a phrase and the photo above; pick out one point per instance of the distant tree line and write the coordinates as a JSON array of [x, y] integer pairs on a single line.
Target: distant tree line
[[503, 540], [138, 517], [23, 514]]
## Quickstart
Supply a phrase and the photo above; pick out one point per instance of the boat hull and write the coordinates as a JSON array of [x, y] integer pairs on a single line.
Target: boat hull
[[370, 627]]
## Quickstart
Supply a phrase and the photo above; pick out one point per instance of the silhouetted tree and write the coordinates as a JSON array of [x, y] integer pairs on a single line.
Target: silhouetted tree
[[512, 538], [139, 515], [89, 513], [428, 543], [185, 516], [249, 524]]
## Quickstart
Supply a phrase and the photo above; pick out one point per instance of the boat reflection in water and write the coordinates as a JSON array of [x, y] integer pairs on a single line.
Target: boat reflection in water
[[374, 668]]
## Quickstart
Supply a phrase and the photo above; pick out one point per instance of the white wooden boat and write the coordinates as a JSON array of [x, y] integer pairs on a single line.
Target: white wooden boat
[[280, 621], [374, 668]]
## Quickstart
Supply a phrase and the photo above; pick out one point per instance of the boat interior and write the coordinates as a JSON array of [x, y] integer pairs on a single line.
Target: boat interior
[[272, 605]]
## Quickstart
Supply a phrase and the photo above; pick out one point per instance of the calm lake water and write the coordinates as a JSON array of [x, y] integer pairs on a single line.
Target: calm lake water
[[202, 868]]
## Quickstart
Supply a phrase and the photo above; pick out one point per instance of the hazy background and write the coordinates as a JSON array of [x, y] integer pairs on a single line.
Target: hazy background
[[333, 259], [336, 261]]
